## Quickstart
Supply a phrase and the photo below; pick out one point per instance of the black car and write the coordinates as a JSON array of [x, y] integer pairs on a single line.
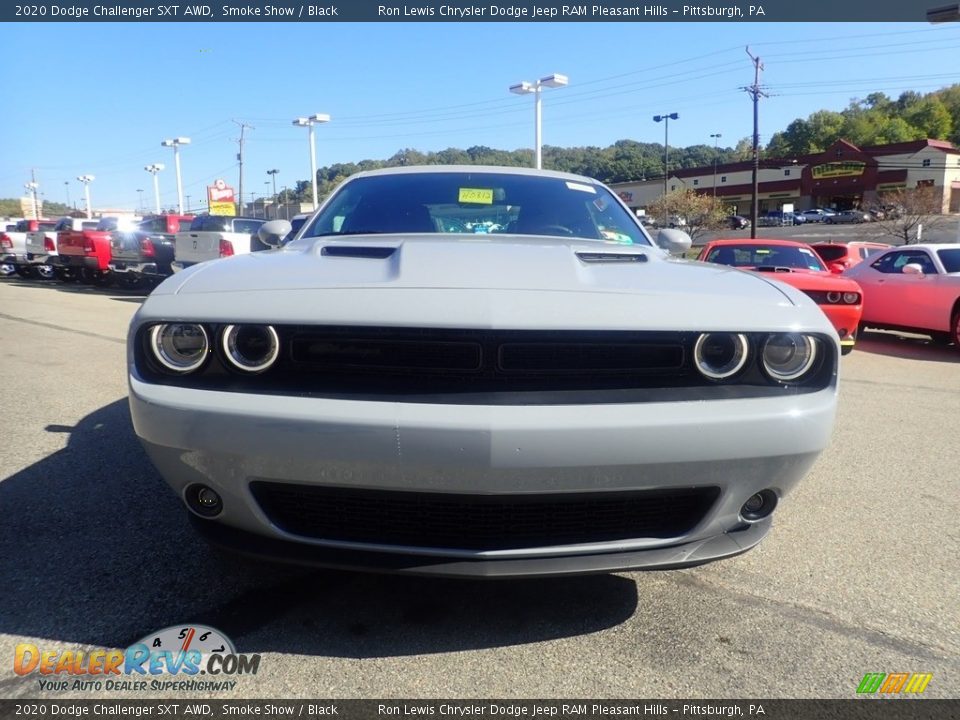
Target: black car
[[738, 222]]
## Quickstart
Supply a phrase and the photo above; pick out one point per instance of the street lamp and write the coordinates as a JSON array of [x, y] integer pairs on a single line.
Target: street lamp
[[309, 122], [66, 184], [175, 143], [526, 88], [31, 187], [266, 182], [716, 137], [86, 180], [153, 170], [273, 176], [140, 201], [666, 153]]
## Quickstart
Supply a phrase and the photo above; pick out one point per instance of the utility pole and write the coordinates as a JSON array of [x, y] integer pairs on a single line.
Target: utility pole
[[755, 93], [243, 126]]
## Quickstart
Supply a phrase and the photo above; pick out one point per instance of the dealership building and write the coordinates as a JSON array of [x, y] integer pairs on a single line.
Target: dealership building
[[841, 177]]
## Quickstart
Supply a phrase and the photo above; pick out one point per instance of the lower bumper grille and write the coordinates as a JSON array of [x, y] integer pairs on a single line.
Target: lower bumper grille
[[480, 522]]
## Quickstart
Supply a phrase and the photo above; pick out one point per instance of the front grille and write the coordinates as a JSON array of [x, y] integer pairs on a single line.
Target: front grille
[[480, 522], [480, 367]]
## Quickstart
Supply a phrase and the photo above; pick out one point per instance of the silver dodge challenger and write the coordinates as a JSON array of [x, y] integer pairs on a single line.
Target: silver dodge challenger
[[480, 372]]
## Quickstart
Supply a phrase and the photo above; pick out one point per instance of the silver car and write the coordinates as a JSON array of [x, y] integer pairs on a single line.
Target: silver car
[[481, 372]]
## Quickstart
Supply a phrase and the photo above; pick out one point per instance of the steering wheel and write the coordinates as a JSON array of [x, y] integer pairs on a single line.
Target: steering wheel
[[553, 230]]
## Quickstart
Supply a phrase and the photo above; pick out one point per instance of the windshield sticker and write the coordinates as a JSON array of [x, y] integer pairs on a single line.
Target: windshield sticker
[[762, 251], [479, 196], [581, 187]]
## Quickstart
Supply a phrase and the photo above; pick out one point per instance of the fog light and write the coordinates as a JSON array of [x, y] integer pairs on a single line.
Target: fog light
[[759, 506], [203, 501]]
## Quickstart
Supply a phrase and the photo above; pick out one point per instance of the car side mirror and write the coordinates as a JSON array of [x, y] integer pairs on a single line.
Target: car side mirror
[[913, 269], [675, 242], [273, 232]]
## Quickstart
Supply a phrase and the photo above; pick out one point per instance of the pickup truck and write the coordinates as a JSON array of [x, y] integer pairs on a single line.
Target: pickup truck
[[14, 251], [87, 251], [42, 247], [146, 251], [216, 236]]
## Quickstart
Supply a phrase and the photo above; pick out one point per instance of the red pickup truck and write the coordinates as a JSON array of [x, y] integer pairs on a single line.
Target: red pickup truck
[[88, 251]]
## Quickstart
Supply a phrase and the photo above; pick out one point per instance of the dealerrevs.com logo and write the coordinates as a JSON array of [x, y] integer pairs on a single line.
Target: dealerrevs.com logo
[[171, 659]]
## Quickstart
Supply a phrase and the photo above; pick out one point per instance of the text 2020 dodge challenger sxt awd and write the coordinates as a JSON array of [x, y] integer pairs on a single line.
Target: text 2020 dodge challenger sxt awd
[[484, 372]]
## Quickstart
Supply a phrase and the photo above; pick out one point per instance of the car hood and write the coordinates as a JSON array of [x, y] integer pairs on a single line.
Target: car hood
[[503, 282]]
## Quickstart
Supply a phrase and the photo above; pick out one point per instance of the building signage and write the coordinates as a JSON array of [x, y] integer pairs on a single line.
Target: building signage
[[626, 196], [221, 199], [850, 168]]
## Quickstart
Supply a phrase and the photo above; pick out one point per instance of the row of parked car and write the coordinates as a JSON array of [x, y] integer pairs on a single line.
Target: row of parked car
[[913, 288], [127, 251]]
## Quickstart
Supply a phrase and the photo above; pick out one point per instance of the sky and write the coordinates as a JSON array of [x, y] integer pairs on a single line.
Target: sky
[[98, 98]]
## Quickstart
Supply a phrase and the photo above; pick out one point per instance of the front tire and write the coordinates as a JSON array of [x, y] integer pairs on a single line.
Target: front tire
[[955, 329]]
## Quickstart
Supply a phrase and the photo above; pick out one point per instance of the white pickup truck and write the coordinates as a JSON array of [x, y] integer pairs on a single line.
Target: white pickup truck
[[14, 249], [216, 236]]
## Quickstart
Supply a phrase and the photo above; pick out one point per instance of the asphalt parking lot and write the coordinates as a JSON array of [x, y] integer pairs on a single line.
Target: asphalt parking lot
[[860, 573]]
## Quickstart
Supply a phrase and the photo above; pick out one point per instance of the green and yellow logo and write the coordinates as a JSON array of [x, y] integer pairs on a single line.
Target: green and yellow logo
[[889, 683]]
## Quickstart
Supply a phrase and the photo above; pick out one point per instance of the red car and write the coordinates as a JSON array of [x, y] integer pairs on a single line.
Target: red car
[[843, 256], [796, 264]]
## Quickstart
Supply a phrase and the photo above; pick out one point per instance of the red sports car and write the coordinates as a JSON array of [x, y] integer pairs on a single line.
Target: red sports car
[[843, 256], [796, 264]]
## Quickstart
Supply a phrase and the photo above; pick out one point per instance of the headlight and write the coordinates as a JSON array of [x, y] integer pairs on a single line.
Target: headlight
[[251, 348], [833, 298], [851, 298], [720, 355], [180, 347], [788, 356]]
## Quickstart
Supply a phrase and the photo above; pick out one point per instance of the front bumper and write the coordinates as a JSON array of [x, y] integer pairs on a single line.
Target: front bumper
[[228, 441]]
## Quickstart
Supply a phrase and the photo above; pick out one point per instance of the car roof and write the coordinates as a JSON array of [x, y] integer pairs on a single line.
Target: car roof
[[927, 246], [477, 169], [756, 241], [851, 243]]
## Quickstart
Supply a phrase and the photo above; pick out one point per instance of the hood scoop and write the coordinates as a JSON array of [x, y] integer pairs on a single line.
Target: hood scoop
[[611, 257], [370, 252]]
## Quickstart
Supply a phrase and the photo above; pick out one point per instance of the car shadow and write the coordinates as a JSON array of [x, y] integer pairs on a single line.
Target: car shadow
[[96, 550], [118, 293], [904, 345]]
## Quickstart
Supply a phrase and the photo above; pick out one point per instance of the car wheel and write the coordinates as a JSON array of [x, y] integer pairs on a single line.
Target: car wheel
[[7, 269], [955, 328], [45, 272]]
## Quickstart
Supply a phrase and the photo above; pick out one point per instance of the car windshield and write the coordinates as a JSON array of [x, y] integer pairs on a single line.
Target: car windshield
[[950, 259], [831, 252], [477, 203], [801, 258]]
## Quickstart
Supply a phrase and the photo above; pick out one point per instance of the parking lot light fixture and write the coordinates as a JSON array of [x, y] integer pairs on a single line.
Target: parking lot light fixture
[[175, 143], [527, 88], [153, 170], [716, 137], [31, 187], [86, 180], [666, 118], [309, 122]]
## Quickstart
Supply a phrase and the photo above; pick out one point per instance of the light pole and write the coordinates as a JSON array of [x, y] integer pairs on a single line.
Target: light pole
[[666, 154], [86, 180], [716, 137], [175, 143], [153, 170], [273, 176], [266, 182], [140, 201], [66, 184], [526, 88], [309, 122], [31, 187]]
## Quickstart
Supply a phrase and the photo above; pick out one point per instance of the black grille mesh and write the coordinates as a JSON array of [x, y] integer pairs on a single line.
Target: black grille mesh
[[480, 522]]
